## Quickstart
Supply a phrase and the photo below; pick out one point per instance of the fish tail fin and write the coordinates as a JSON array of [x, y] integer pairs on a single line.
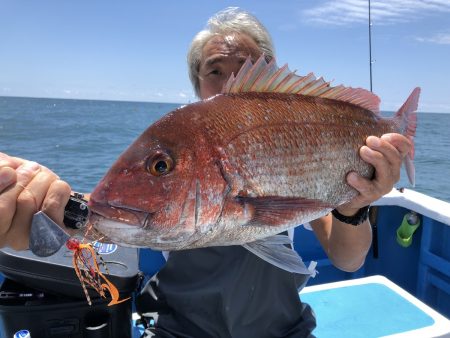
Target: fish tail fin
[[406, 119], [274, 251]]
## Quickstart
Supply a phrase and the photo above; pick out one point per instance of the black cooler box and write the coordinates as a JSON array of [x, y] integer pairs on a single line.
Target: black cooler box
[[45, 297]]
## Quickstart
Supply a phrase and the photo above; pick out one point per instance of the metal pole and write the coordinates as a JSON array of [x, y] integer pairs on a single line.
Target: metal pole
[[370, 48]]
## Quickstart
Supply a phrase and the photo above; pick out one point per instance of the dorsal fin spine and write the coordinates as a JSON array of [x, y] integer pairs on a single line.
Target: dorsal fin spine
[[260, 80], [309, 88], [291, 88], [304, 82], [273, 81], [247, 75], [322, 88], [260, 67], [283, 82], [266, 77]]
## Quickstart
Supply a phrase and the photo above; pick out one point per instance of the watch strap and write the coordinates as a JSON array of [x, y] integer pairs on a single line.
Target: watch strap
[[361, 216]]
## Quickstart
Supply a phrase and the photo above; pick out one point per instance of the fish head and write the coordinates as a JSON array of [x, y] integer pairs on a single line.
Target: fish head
[[163, 192]]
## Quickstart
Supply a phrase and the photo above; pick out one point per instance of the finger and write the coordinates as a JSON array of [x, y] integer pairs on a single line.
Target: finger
[[33, 196], [9, 161], [55, 201], [364, 187], [385, 154], [28, 203], [376, 159], [8, 198], [386, 160], [393, 155], [7, 177], [400, 142]]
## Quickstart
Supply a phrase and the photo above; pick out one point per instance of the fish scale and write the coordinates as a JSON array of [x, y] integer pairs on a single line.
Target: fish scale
[[296, 137]]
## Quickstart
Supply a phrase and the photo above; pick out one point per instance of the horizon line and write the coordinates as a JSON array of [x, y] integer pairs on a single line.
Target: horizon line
[[158, 102]]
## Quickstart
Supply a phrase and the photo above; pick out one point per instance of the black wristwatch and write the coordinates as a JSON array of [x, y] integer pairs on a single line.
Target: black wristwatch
[[361, 216]]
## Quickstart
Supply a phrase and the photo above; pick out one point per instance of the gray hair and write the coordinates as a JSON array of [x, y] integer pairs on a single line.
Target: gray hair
[[229, 20]]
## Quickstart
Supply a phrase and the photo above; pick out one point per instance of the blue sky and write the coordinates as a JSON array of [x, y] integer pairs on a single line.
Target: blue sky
[[136, 50]]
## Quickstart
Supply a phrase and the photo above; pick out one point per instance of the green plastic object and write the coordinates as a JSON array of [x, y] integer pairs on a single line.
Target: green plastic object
[[410, 223]]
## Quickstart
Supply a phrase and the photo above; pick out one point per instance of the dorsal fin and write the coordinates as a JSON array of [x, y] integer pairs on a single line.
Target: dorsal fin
[[267, 77]]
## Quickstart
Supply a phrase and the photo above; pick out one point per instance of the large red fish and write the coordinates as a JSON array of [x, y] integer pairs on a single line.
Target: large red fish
[[271, 152]]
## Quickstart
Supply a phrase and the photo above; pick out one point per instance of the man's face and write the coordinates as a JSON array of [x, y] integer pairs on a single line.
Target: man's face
[[222, 56]]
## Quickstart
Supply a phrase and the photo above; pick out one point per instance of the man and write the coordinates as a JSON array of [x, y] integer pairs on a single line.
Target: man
[[220, 291]]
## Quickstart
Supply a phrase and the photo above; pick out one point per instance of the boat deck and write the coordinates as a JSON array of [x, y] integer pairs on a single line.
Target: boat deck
[[367, 307]]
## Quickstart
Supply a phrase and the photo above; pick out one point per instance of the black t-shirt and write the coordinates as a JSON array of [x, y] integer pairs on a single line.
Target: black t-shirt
[[225, 292]]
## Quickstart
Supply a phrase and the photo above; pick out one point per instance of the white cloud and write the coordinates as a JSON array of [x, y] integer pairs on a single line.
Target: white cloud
[[439, 38], [346, 12]]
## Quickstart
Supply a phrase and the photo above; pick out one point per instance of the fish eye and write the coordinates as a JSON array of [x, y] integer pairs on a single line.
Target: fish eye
[[160, 164]]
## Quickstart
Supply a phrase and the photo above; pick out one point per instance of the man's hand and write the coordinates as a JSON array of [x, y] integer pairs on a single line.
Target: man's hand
[[386, 154], [25, 188]]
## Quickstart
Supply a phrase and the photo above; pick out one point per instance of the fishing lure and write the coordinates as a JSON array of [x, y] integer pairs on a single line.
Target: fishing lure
[[46, 238], [88, 271]]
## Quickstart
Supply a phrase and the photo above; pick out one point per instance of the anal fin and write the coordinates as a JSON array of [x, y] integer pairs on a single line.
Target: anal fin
[[274, 251]]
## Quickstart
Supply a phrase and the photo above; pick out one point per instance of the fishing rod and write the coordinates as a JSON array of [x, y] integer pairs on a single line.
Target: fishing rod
[[370, 48], [373, 210]]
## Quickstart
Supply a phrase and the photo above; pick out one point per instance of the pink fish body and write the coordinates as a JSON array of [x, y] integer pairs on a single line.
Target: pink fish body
[[271, 152]]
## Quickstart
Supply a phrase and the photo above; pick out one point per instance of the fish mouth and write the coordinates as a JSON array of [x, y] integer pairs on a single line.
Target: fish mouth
[[126, 233], [133, 228], [121, 214]]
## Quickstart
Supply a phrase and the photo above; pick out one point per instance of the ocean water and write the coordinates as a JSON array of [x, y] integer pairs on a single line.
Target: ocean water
[[80, 139]]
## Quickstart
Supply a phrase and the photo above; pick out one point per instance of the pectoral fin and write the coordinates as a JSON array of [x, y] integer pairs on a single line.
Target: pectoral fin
[[275, 210]]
